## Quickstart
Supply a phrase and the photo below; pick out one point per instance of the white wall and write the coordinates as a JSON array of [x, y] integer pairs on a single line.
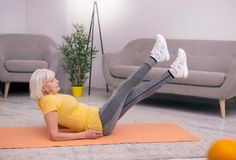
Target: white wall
[[34, 16], [12, 16], [47, 17], [125, 20], [122, 21]]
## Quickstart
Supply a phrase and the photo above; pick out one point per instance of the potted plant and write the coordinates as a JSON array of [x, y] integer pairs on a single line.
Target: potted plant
[[77, 55]]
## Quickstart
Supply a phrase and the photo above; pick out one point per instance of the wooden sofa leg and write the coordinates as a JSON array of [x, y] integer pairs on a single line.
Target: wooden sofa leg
[[222, 107], [113, 90], [6, 89]]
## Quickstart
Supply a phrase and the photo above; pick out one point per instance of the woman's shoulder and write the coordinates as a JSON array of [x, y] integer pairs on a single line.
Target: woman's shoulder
[[49, 97], [55, 97]]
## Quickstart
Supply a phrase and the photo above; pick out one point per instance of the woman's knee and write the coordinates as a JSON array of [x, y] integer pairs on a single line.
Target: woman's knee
[[106, 132]]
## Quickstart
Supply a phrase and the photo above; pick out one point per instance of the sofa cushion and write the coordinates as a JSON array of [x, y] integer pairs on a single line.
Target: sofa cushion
[[195, 78], [24, 66]]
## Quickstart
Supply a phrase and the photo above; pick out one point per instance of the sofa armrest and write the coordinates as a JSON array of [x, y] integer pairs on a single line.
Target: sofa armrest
[[53, 62], [229, 86], [111, 59], [2, 68], [53, 58]]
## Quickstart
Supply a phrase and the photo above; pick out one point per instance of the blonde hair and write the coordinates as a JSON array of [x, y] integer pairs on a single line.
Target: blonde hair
[[37, 79]]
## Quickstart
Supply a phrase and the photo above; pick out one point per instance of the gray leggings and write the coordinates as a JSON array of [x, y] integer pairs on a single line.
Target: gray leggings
[[126, 95]]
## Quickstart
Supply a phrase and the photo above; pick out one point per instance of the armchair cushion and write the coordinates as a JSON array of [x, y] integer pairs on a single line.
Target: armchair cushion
[[24, 66]]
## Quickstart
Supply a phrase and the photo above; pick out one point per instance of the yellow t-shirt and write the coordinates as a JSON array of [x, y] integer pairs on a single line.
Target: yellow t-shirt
[[71, 114]]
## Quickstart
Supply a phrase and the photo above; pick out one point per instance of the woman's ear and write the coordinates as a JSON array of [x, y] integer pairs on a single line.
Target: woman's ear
[[44, 89]]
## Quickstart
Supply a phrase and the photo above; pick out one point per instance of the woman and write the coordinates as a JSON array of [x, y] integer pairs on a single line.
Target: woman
[[83, 121]]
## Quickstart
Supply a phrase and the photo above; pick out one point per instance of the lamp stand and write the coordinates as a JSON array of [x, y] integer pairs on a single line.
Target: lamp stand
[[91, 33]]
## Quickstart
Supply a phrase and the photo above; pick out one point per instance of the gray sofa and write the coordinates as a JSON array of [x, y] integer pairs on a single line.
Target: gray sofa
[[22, 54], [212, 67]]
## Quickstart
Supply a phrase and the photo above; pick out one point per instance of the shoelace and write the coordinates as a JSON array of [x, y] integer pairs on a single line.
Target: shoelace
[[158, 47], [176, 64]]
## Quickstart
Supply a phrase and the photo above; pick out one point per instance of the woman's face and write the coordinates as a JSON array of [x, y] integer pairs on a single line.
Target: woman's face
[[51, 86]]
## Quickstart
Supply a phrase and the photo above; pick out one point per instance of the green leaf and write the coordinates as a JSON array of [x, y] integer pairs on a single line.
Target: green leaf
[[77, 55]]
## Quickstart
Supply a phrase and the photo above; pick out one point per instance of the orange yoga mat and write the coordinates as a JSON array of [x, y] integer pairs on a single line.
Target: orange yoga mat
[[123, 133]]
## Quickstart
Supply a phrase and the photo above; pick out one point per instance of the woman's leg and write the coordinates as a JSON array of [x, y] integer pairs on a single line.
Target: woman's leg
[[148, 89], [110, 111], [179, 70]]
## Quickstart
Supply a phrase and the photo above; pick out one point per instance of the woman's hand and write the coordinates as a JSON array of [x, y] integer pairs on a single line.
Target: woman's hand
[[92, 134]]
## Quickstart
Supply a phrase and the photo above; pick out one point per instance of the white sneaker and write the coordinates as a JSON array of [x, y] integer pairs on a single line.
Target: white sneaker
[[179, 68], [160, 51]]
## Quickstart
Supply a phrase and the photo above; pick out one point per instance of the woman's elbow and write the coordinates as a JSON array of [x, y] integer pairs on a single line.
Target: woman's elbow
[[53, 136]]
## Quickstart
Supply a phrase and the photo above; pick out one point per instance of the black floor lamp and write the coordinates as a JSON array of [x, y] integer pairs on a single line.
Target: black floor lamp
[[91, 33]]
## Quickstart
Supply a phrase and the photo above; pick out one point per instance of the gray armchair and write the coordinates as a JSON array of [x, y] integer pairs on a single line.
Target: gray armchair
[[22, 54]]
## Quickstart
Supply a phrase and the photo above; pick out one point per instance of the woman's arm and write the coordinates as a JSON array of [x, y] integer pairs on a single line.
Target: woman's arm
[[51, 120], [65, 129]]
